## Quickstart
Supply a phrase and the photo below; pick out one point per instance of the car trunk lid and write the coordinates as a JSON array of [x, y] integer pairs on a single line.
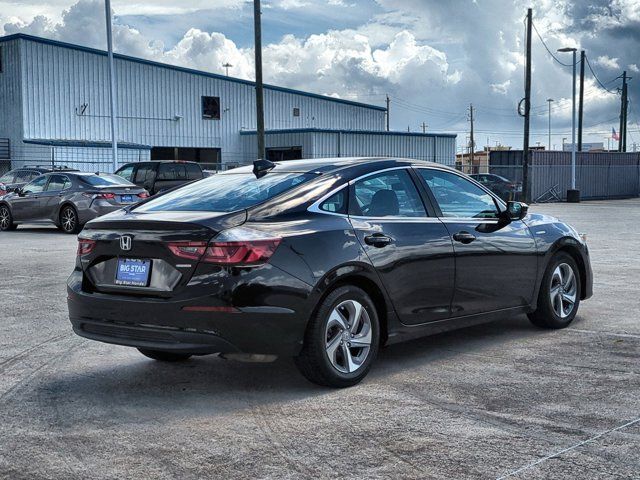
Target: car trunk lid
[[143, 242]]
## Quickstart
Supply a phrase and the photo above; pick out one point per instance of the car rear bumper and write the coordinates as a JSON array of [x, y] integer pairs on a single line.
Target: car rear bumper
[[97, 209], [154, 338], [175, 325]]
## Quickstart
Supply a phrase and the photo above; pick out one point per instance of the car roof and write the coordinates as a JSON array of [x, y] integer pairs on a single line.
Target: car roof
[[329, 165]]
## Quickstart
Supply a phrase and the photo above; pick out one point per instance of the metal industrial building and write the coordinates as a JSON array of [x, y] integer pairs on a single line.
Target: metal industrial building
[[54, 107]]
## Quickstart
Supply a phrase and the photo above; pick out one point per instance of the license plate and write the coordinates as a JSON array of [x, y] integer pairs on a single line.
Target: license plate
[[133, 272], [126, 198]]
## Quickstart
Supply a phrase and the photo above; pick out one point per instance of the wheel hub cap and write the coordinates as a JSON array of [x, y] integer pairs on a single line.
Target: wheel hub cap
[[563, 291], [348, 336]]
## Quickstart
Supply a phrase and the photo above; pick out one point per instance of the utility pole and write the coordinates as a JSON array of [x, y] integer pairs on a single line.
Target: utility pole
[[388, 104], [573, 195], [259, 88], [549, 100], [626, 108], [424, 127], [527, 107], [226, 66], [112, 86], [622, 108], [581, 100], [471, 140]]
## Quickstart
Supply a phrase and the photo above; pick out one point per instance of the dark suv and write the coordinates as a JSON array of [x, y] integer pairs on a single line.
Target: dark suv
[[19, 177], [160, 175]]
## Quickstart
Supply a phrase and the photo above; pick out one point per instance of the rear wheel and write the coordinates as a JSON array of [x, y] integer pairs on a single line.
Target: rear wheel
[[69, 222], [559, 296], [164, 356], [6, 220], [341, 341]]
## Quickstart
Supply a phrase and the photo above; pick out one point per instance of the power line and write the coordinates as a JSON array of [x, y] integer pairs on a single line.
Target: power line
[[597, 79], [547, 48]]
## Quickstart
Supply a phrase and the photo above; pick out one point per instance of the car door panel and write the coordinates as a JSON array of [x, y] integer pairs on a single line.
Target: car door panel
[[496, 260], [28, 206], [411, 252]]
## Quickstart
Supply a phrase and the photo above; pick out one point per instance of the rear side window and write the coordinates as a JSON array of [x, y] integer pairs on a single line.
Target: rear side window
[[390, 193], [336, 203], [172, 171], [7, 178], [145, 174], [194, 172], [225, 192], [58, 183]]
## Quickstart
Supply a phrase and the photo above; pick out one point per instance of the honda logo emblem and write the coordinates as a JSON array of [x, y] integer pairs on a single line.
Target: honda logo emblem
[[126, 242]]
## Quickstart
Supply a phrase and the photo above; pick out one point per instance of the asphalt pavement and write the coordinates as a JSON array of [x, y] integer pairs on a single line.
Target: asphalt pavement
[[504, 399]]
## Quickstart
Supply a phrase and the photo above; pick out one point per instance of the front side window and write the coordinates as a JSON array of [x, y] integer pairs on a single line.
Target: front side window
[[457, 196], [126, 172], [211, 107], [386, 194], [36, 186], [227, 192]]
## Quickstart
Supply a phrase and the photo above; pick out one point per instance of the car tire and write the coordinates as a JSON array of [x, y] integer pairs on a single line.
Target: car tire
[[341, 340], [6, 219], [69, 221], [164, 356], [559, 296]]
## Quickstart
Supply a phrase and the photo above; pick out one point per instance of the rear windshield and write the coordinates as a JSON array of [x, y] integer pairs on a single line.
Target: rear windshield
[[104, 180], [225, 193]]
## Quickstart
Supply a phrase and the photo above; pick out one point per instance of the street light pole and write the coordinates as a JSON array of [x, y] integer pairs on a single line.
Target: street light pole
[[549, 100], [259, 87], [573, 195], [112, 87]]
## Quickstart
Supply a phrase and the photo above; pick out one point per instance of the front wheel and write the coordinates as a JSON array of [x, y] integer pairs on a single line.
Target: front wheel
[[6, 220], [559, 296], [69, 221], [341, 341]]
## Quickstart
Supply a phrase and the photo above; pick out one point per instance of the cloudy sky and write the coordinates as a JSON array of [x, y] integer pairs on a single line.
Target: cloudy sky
[[432, 57]]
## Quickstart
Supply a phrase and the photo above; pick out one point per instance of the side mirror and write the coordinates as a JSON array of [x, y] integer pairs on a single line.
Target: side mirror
[[19, 191], [516, 210]]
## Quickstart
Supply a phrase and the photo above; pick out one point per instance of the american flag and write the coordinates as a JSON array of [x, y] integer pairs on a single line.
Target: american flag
[[614, 135]]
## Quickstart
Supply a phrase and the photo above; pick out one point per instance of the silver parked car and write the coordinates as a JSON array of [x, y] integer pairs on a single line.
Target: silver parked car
[[67, 199]]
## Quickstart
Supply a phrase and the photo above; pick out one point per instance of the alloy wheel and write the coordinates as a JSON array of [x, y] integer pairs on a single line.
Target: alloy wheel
[[5, 218], [348, 336], [68, 219], [564, 289]]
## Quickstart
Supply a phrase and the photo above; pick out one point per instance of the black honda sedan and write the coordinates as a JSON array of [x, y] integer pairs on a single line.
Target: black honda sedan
[[321, 260]]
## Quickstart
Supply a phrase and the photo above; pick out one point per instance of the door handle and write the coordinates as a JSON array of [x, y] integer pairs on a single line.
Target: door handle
[[378, 240], [464, 237]]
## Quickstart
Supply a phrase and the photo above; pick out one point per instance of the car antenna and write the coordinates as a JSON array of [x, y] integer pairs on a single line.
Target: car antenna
[[262, 166]]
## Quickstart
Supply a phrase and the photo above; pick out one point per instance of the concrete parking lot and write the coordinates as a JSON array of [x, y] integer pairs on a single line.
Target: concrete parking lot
[[484, 402]]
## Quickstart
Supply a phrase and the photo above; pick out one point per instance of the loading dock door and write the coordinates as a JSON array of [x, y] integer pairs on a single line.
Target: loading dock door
[[278, 154]]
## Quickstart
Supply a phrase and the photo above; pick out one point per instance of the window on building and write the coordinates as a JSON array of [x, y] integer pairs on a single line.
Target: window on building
[[211, 107], [209, 156], [296, 111], [278, 154]]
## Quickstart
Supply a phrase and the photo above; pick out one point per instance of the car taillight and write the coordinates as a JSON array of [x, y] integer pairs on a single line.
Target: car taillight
[[85, 246], [235, 247], [190, 250], [251, 252], [104, 196], [143, 195]]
